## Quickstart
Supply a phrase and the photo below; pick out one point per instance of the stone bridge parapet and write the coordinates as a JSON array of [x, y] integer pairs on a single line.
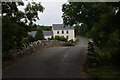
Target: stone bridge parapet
[[30, 48]]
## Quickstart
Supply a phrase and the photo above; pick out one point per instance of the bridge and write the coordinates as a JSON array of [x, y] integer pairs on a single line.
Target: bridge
[[55, 62]]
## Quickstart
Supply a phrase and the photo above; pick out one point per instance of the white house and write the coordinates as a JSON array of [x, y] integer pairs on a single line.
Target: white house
[[32, 33], [47, 34], [58, 30], [61, 30]]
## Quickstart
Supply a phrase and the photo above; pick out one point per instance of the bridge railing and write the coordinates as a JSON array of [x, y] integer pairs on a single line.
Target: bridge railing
[[30, 48]]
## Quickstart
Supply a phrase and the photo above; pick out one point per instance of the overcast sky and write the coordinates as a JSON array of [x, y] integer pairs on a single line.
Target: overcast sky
[[52, 13]]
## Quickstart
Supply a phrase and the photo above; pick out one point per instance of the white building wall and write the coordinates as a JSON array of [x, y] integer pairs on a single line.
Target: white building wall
[[70, 34], [46, 37]]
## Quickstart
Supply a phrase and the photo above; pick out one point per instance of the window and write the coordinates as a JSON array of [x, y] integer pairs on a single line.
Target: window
[[57, 32], [67, 32], [67, 37], [62, 32]]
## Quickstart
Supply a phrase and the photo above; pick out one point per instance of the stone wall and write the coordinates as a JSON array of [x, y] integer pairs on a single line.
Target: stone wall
[[30, 48], [91, 54]]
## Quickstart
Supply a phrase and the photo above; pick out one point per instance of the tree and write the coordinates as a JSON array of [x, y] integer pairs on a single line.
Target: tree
[[46, 28], [81, 29], [14, 30], [75, 13], [31, 38], [39, 35], [106, 34], [103, 23], [31, 12], [34, 27]]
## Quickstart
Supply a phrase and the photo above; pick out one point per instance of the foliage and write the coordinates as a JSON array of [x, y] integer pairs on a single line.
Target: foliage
[[61, 38], [81, 29], [31, 12], [106, 32], [25, 40], [39, 35], [34, 27], [71, 41], [31, 38], [101, 30], [103, 72], [84, 12], [46, 28], [14, 29], [28, 39], [102, 21]]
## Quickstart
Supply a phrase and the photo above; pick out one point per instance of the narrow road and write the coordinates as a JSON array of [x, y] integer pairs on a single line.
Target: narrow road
[[56, 62]]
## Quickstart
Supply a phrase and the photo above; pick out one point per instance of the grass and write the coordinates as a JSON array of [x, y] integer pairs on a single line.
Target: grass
[[105, 71], [104, 68]]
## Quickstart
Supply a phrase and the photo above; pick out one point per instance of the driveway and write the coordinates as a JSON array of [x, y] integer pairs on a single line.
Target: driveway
[[56, 62]]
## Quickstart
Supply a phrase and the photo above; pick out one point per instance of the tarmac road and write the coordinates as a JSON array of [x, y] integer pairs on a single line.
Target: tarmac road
[[56, 62]]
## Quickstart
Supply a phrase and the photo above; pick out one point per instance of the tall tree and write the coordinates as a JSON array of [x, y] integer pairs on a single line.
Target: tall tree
[[75, 13], [103, 21], [14, 30], [39, 34], [31, 12]]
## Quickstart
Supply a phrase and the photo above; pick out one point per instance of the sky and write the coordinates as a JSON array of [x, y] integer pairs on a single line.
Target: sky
[[52, 13]]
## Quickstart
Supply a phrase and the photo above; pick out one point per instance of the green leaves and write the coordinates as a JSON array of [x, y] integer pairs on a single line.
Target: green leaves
[[31, 12], [39, 35], [61, 38], [81, 12], [102, 24], [15, 30]]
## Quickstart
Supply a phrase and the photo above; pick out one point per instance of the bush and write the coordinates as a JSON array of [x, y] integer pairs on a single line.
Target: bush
[[39, 35], [25, 40], [71, 41], [30, 38], [116, 57], [61, 38]]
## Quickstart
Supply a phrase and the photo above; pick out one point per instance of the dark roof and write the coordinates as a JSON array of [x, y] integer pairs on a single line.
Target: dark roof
[[61, 27], [32, 33], [47, 33]]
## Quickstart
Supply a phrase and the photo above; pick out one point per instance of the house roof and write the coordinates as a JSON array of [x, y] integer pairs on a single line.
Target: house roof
[[61, 27], [32, 33], [47, 33]]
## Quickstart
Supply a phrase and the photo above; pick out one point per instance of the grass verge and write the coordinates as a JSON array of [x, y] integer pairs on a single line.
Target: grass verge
[[105, 71], [104, 68]]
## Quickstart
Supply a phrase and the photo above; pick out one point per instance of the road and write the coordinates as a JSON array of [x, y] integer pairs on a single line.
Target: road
[[56, 62]]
